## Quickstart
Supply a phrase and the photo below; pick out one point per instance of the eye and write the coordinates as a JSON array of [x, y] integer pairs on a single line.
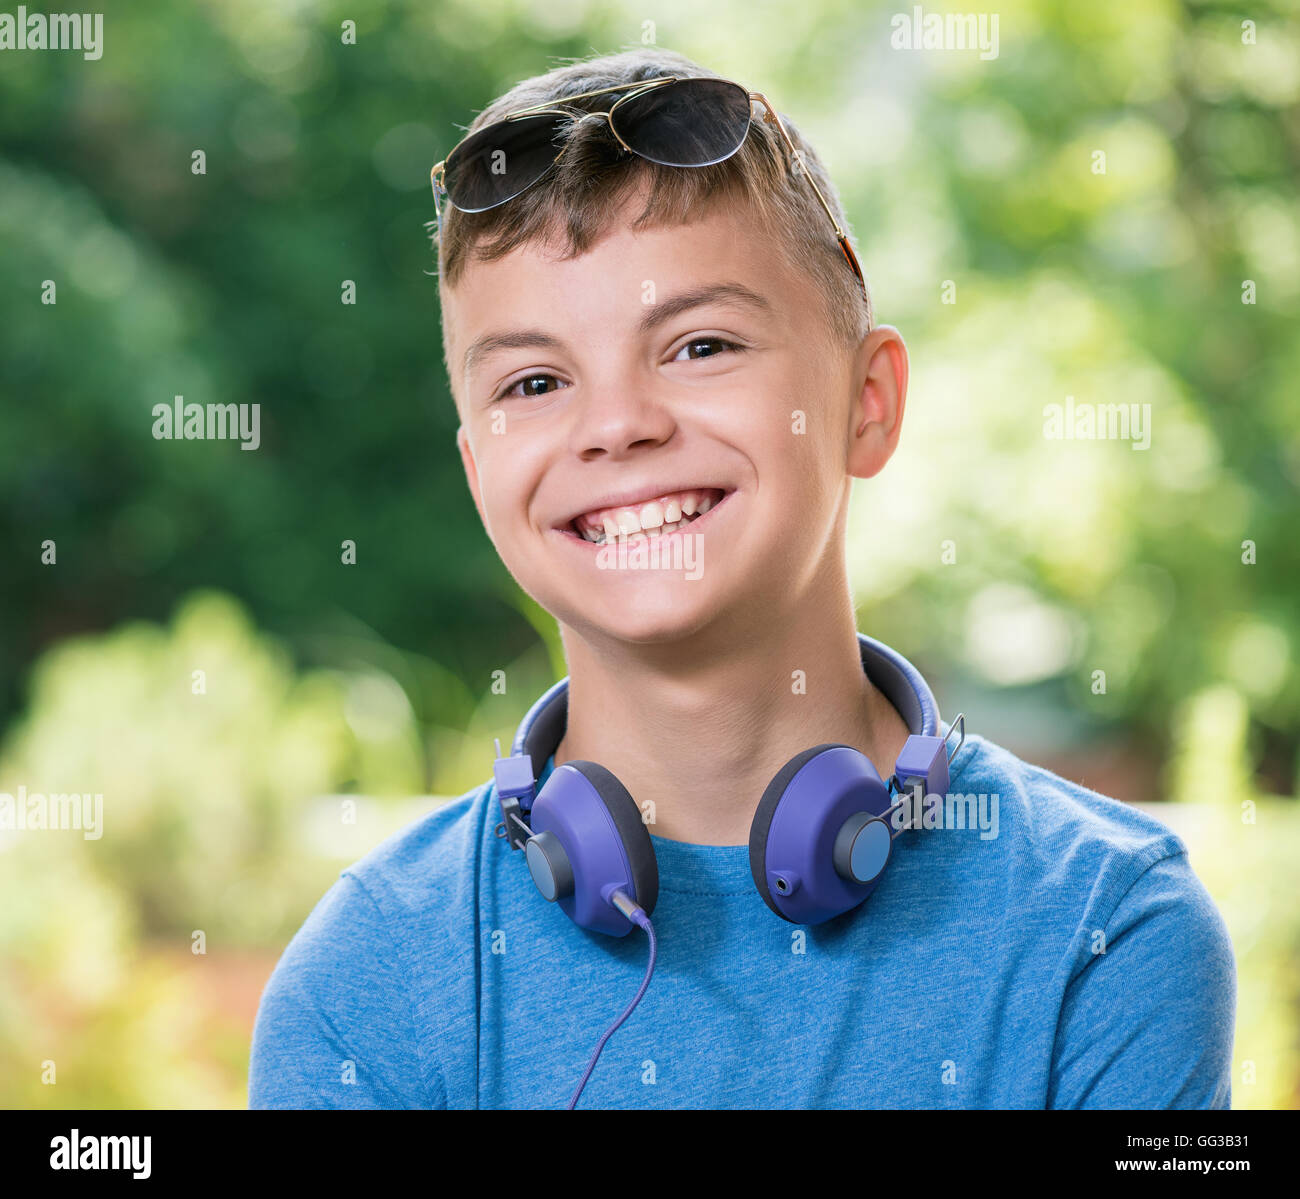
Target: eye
[[529, 389], [705, 344]]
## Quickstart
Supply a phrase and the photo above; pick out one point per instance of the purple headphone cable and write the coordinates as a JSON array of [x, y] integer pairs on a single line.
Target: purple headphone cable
[[637, 915]]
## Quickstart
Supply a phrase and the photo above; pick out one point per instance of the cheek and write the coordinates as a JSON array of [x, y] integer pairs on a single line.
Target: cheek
[[800, 483], [504, 485], [795, 440]]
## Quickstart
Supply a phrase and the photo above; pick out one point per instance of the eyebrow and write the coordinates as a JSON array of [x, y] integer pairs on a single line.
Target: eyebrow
[[735, 294]]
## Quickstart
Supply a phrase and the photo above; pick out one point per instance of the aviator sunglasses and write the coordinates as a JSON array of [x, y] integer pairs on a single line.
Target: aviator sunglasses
[[671, 121]]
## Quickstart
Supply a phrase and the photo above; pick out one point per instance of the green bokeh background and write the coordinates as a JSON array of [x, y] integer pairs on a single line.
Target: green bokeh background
[[341, 700]]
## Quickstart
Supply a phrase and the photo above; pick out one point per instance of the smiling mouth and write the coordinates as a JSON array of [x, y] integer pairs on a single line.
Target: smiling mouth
[[662, 517]]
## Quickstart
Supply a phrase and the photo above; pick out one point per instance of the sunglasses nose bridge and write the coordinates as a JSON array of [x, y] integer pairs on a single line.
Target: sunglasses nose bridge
[[606, 115]]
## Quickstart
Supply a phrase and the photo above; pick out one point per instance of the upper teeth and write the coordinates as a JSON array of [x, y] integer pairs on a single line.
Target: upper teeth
[[666, 514]]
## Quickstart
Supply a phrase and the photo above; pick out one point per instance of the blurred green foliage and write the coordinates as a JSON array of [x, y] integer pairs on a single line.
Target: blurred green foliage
[[1241, 843], [200, 786], [965, 180], [233, 790], [1124, 287]]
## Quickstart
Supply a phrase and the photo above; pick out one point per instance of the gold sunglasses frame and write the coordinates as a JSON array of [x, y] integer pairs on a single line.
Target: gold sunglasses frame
[[634, 90]]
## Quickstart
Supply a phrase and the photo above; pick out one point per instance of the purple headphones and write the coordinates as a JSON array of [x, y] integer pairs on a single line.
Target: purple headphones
[[818, 845]]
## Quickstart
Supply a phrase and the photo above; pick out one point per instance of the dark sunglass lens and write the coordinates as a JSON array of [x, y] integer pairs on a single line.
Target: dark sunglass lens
[[497, 163], [690, 123]]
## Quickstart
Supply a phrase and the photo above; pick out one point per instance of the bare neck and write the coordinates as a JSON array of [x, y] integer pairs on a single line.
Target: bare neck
[[699, 728]]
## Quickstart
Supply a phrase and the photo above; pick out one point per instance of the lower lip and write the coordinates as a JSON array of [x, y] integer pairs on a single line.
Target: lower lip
[[569, 535]]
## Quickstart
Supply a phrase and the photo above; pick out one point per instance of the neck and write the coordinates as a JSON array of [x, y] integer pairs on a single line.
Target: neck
[[700, 726]]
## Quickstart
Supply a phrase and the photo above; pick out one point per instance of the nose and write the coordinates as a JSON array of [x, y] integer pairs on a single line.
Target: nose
[[615, 422]]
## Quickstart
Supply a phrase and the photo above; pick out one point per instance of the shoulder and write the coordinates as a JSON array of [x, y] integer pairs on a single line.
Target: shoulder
[[1103, 898], [1140, 955], [427, 865], [1064, 865], [364, 922], [1058, 837], [344, 1019]]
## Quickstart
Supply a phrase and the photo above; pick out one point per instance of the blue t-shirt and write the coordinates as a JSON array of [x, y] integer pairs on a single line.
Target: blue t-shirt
[[1072, 960]]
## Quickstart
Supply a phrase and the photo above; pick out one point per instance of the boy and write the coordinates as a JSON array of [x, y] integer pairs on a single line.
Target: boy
[[658, 338]]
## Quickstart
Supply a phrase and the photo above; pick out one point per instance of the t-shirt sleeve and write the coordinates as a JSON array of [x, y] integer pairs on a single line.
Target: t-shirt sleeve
[[335, 1026], [1149, 1023]]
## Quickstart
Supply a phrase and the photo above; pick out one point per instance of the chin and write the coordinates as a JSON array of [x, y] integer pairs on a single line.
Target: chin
[[642, 613]]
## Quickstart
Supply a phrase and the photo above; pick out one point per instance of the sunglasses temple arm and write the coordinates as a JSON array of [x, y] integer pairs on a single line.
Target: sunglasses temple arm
[[796, 157]]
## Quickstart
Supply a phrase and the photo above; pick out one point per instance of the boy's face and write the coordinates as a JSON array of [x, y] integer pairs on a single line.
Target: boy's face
[[598, 384]]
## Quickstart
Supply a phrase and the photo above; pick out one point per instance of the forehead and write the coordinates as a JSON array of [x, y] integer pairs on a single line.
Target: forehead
[[605, 291]]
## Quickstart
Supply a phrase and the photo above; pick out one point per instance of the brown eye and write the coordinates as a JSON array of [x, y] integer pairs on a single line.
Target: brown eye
[[530, 383], [707, 346]]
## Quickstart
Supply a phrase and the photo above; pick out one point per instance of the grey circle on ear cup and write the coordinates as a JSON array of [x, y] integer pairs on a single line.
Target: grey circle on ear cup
[[549, 866], [862, 848], [631, 830]]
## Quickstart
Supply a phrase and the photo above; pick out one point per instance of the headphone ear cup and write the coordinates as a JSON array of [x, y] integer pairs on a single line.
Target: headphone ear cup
[[631, 831], [588, 837], [793, 837]]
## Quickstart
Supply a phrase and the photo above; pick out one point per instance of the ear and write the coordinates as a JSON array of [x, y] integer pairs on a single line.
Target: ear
[[880, 395], [471, 471]]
